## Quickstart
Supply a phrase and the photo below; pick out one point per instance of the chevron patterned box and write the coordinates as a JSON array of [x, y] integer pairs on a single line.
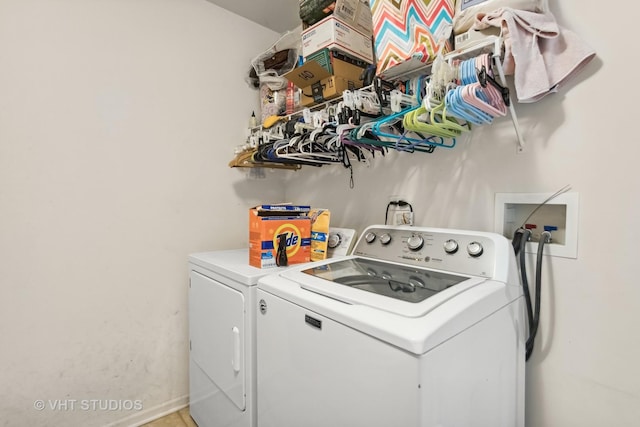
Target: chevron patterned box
[[407, 33]]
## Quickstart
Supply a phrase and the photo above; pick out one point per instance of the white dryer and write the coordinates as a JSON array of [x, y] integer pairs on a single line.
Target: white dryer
[[222, 362], [222, 338], [419, 327]]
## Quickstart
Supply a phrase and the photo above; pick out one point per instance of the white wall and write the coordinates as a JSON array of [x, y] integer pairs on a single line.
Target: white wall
[[584, 371], [117, 120]]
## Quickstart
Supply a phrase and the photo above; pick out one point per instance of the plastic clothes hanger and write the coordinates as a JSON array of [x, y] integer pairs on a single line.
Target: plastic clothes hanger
[[258, 157], [346, 140], [367, 102], [487, 99], [497, 95], [425, 145], [480, 103], [324, 128], [446, 122], [302, 148], [400, 101], [390, 120], [434, 96], [318, 149], [485, 77], [375, 127], [473, 94], [457, 107], [454, 103], [430, 142], [443, 74], [432, 122], [361, 153], [341, 130]]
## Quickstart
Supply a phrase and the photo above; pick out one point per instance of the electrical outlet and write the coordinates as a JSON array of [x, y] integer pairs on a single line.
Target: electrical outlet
[[399, 211], [404, 218]]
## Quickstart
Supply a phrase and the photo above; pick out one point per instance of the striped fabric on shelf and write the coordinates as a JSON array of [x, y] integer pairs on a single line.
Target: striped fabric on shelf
[[409, 29]]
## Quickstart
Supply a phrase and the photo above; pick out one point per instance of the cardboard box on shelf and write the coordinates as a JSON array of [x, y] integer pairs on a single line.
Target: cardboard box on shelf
[[355, 13], [312, 11], [317, 84], [326, 57], [278, 232], [334, 34]]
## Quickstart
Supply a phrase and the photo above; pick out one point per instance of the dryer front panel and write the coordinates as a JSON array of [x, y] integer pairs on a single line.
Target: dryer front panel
[[216, 332]]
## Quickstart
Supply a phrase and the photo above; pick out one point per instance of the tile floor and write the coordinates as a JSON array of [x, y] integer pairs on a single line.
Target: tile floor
[[175, 419]]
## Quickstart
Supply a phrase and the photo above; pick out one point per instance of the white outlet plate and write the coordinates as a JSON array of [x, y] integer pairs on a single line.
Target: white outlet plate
[[347, 239], [403, 218], [511, 209]]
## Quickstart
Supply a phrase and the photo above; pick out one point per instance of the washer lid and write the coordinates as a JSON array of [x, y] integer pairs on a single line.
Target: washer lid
[[397, 288]]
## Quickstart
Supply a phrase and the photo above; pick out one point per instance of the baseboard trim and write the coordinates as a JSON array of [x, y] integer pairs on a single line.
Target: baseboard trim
[[151, 414]]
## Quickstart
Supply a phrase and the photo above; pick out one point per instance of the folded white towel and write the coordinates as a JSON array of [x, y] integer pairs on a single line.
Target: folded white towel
[[540, 54]]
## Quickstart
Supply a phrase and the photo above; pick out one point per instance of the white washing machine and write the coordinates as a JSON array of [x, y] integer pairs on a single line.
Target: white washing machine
[[419, 327], [222, 362]]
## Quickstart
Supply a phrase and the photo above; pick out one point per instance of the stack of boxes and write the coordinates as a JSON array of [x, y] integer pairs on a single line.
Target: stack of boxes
[[342, 38], [285, 234], [312, 11], [337, 47], [279, 235]]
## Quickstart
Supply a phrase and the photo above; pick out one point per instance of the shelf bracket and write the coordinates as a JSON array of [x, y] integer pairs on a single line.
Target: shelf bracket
[[512, 111]]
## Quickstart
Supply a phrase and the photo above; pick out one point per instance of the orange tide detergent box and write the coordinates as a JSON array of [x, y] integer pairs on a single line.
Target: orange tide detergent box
[[279, 235]]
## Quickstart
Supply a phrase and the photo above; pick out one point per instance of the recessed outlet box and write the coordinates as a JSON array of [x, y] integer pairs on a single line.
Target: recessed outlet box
[[559, 215], [399, 214]]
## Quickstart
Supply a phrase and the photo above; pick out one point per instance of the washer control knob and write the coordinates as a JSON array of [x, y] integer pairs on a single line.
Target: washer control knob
[[415, 243], [451, 246], [370, 237], [475, 249], [385, 239], [334, 240]]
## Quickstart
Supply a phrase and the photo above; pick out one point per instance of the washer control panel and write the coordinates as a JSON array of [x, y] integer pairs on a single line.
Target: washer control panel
[[457, 251]]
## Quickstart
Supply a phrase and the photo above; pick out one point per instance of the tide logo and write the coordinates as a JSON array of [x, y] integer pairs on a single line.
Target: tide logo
[[293, 238]]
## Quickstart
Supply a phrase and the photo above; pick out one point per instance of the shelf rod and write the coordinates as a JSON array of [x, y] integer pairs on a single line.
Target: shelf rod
[[512, 111]]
